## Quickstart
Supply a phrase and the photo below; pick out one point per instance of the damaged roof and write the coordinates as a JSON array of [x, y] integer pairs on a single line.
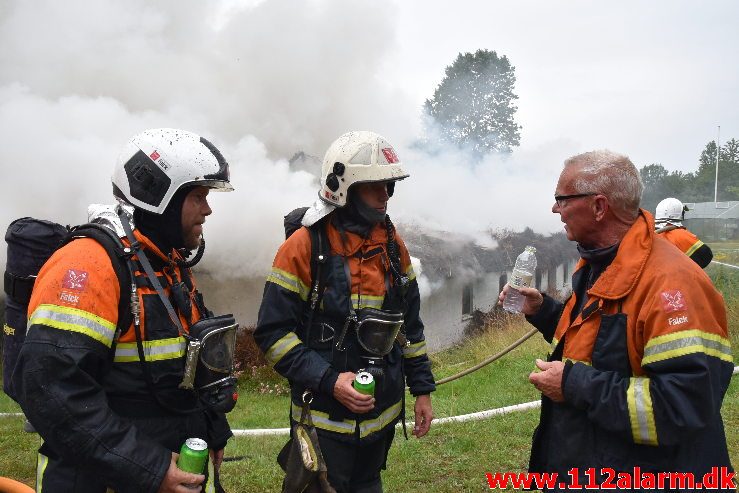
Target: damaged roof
[[443, 254]]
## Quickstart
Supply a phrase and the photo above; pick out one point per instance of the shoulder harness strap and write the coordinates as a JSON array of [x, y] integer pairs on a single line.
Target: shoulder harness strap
[[121, 261], [319, 255], [400, 279]]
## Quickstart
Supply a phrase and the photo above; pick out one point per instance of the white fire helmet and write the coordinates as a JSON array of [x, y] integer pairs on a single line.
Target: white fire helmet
[[157, 162], [357, 157], [670, 211]]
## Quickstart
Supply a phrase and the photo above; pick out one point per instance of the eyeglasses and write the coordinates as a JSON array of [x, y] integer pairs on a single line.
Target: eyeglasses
[[562, 199]]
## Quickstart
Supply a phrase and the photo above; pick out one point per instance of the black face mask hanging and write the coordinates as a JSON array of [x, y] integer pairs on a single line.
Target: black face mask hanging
[[357, 217], [164, 229]]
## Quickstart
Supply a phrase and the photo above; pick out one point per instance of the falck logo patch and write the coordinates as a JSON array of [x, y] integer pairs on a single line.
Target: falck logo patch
[[69, 298], [673, 301], [390, 155], [75, 280], [157, 158]]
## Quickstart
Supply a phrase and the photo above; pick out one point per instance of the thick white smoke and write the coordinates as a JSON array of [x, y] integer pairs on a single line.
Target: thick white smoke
[[261, 80], [293, 74]]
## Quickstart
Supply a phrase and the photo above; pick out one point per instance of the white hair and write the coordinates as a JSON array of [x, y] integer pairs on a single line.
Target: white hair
[[610, 174]]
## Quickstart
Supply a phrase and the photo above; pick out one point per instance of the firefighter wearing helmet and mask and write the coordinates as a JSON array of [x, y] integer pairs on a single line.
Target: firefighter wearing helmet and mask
[[668, 222], [123, 362], [342, 300]]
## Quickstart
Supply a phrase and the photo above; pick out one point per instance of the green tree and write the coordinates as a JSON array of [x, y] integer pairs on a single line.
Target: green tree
[[730, 151], [653, 177], [473, 105], [699, 185], [660, 184], [729, 169], [728, 172]]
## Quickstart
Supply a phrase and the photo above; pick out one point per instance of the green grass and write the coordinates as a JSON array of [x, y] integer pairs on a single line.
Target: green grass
[[452, 458], [725, 252], [18, 460]]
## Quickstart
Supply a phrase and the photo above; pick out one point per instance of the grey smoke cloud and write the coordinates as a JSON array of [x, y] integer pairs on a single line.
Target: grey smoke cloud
[[294, 74], [264, 79], [444, 193], [246, 226], [261, 80]]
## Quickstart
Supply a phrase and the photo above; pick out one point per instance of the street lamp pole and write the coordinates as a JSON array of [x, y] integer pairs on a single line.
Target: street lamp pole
[[718, 146]]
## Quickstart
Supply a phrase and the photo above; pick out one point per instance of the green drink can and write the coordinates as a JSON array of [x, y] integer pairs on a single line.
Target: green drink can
[[193, 456], [364, 383]]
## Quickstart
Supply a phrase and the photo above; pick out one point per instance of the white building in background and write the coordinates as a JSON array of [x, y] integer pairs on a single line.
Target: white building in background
[[713, 221], [457, 278], [448, 309]]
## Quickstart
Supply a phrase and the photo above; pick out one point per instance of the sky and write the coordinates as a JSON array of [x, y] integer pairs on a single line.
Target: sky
[[263, 79]]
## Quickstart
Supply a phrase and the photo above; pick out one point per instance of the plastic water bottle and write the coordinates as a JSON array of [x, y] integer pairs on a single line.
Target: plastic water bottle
[[523, 275]]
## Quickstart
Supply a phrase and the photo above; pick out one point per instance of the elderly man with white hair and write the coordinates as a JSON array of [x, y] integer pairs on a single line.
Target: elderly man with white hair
[[640, 357]]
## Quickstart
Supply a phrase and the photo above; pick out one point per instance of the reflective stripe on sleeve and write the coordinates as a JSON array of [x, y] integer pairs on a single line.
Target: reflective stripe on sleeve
[[158, 350], [280, 348], [686, 342], [289, 281], [410, 272], [74, 320], [641, 413], [414, 350], [690, 251]]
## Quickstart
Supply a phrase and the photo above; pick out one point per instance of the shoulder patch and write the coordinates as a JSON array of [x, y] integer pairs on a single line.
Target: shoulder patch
[[75, 279], [673, 301]]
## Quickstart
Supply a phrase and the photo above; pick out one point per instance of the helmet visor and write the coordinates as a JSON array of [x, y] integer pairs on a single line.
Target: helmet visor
[[215, 185]]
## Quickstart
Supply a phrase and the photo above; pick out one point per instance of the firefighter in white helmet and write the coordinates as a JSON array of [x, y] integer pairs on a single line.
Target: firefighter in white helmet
[[101, 375], [342, 298], [668, 221]]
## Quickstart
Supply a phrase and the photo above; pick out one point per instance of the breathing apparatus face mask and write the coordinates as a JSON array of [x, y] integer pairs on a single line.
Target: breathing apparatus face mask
[[378, 329], [209, 363]]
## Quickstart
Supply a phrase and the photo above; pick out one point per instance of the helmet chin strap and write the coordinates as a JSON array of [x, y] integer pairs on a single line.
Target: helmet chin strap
[[198, 255]]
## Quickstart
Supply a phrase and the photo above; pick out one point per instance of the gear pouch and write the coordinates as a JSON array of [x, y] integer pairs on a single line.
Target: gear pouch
[[301, 458]]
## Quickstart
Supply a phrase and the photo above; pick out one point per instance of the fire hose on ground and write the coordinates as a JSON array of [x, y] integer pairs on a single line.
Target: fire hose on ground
[[490, 359], [480, 415], [450, 419], [725, 265], [525, 406]]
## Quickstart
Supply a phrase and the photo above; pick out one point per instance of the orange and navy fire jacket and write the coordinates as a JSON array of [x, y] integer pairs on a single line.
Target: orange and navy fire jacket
[[83, 386], [650, 364], [357, 276], [689, 244]]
